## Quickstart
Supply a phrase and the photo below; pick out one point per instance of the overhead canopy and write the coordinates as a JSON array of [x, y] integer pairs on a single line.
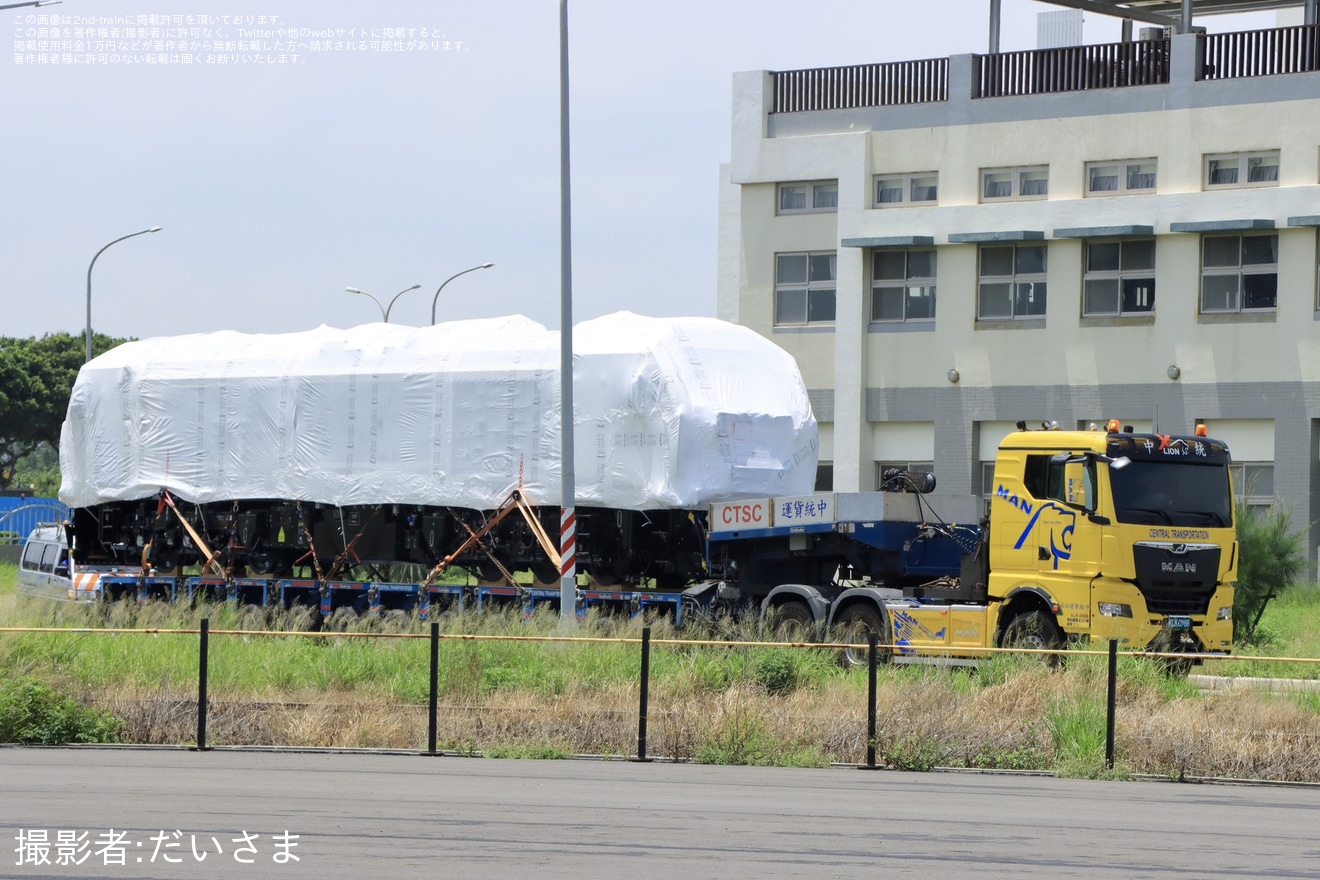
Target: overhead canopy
[[1171, 12], [1176, 14]]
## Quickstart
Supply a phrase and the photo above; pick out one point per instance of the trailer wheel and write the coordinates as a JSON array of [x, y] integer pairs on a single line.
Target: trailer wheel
[[544, 572], [1034, 630], [791, 622], [853, 626]]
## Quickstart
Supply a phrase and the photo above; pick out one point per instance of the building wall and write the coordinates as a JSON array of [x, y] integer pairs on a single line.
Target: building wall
[[1256, 372]]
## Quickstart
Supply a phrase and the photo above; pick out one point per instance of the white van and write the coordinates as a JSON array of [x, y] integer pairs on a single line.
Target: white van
[[44, 570]]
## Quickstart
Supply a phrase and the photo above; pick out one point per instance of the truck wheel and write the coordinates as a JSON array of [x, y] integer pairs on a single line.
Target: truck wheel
[[853, 626], [1034, 630], [792, 622]]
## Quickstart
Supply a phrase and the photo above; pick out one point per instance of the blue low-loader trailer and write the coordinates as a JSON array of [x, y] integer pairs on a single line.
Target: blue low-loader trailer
[[821, 563]]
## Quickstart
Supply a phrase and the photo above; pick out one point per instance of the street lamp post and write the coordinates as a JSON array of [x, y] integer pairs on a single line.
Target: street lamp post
[[89, 281], [436, 298], [384, 309], [568, 513]]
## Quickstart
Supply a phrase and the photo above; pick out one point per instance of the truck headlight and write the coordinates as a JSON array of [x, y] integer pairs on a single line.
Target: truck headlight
[[1225, 613], [1113, 609]]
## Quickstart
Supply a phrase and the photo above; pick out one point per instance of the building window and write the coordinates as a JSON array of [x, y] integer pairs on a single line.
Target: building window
[[1253, 483], [901, 484], [1120, 178], [1009, 184], [899, 189], [1235, 170], [1012, 283], [1120, 277], [903, 285], [1239, 272], [804, 288], [821, 197], [825, 476]]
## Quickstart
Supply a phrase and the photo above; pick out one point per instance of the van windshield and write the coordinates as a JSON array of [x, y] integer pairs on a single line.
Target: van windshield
[[1173, 494]]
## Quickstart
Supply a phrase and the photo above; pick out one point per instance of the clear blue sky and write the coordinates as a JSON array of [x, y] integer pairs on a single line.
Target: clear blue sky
[[277, 186]]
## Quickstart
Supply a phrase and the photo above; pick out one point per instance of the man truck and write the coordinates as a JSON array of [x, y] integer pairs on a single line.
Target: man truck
[[1089, 535]]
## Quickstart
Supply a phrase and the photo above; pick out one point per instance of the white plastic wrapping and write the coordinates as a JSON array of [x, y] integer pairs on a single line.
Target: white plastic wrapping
[[668, 413]]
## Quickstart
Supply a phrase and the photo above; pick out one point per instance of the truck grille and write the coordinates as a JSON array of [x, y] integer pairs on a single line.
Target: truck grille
[[1176, 578], [1161, 600]]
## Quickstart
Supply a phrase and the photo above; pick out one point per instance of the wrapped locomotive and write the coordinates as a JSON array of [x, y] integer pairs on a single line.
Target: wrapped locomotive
[[386, 444]]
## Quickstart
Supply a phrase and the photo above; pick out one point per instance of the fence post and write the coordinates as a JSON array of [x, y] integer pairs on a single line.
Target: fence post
[[1113, 700], [435, 689], [202, 662], [645, 697], [872, 640]]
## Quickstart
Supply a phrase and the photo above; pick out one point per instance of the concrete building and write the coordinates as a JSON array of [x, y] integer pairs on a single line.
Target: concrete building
[[1118, 231]]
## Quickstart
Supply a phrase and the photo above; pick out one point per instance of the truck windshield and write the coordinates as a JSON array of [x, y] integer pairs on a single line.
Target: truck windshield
[[1174, 494]]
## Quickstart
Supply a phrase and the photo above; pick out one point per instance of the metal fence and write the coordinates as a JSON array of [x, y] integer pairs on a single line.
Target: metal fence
[[1072, 69], [875, 654], [19, 516], [1260, 53], [862, 85], [1048, 71]]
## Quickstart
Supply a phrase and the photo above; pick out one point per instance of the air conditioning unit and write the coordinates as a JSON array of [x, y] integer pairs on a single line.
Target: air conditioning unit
[[1164, 33]]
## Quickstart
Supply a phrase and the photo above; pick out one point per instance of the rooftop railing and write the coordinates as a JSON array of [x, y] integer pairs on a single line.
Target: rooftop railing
[[1261, 53], [862, 85], [1072, 69], [1047, 71]]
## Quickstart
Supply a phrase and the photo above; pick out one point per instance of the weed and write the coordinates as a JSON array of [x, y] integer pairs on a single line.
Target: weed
[[1078, 730], [534, 751], [32, 712], [777, 672], [906, 751]]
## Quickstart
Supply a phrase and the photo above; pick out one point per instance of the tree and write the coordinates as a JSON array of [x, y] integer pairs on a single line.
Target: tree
[[36, 378], [1273, 556]]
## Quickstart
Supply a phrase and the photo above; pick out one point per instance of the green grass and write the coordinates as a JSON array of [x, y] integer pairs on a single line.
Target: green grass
[[1290, 627], [722, 704]]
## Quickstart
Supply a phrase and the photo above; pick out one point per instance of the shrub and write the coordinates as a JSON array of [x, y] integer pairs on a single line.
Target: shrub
[[777, 672], [1272, 557], [31, 712]]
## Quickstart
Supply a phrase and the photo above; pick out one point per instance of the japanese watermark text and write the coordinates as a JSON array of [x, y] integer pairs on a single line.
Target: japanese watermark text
[[72, 847], [208, 40]]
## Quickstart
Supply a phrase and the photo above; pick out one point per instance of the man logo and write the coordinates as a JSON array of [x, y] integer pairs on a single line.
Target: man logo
[[1178, 567]]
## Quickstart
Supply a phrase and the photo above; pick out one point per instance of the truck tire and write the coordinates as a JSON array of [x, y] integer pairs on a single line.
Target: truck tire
[[1035, 630], [792, 622], [853, 626]]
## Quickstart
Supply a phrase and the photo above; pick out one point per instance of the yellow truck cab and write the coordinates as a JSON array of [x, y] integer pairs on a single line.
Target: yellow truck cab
[[1111, 534]]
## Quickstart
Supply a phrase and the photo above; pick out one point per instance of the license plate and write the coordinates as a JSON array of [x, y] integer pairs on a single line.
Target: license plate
[[1180, 623]]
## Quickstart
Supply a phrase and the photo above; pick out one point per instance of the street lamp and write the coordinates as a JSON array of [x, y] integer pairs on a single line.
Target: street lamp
[[436, 299], [567, 510], [89, 282], [384, 310]]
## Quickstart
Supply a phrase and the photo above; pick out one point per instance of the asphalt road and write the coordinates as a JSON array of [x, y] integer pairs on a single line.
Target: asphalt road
[[386, 816]]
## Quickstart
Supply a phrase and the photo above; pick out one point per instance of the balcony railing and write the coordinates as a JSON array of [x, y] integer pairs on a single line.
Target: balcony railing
[[1261, 53], [1072, 69], [1047, 71], [862, 85]]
